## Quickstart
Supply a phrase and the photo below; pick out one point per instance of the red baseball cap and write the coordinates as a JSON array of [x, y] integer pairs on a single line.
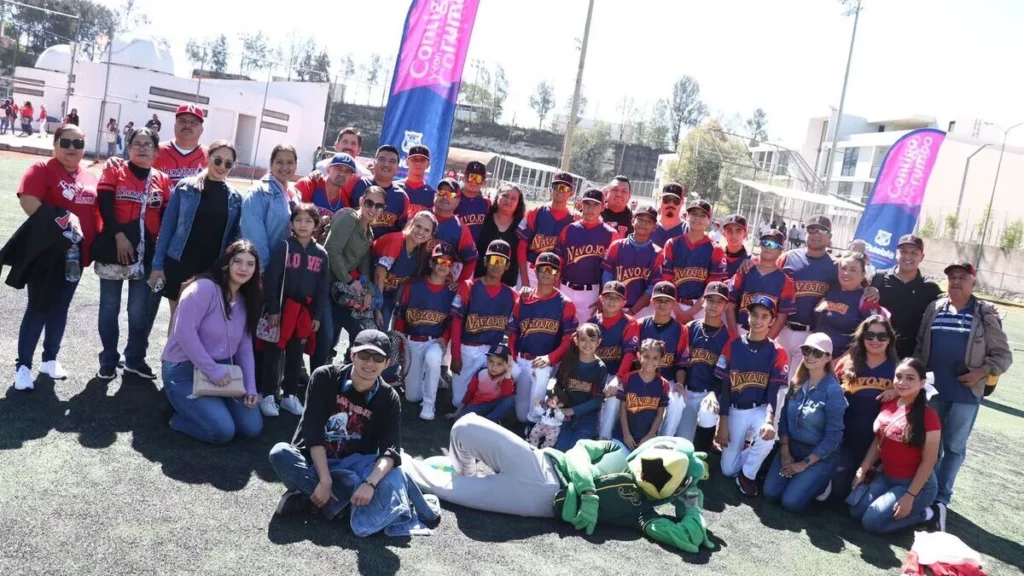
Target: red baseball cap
[[190, 109]]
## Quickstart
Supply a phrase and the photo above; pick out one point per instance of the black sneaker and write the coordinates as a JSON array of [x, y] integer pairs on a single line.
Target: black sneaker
[[938, 521], [291, 503], [142, 371], [107, 373], [747, 486]]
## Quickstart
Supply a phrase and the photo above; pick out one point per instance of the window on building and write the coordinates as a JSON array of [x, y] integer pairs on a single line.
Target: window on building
[[876, 161], [845, 189], [782, 167], [850, 156], [768, 160]]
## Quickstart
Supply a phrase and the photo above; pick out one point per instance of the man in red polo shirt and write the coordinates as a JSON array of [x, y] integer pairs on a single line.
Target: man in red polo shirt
[[183, 157]]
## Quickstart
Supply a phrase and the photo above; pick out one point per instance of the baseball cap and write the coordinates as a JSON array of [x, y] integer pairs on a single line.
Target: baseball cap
[[475, 167], [648, 211], [549, 259], [911, 239], [966, 265], [343, 159], [372, 340], [775, 235], [735, 220], [190, 109], [701, 205], [763, 301], [819, 341], [593, 195], [499, 248], [614, 287], [821, 222], [419, 150], [451, 183], [564, 178], [664, 289], [717, 289], [443, 250], [500, 350], [673, 188]]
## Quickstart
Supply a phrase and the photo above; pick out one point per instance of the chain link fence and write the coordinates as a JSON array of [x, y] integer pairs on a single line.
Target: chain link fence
[[973, 224]]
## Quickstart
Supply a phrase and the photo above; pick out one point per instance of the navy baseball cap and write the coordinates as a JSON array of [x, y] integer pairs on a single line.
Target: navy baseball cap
[[762, 301], [549, 259], [717, 289], [499, 248], [475, 167], [500, 350], [821, 222], [701, 205], [443, 250], [735, 220], [451, 183], [962, 264], [664, 289], [648, 211], [563, 178], [343, 159], [614, 287], [419, 150], [593, 195], [673, 188]]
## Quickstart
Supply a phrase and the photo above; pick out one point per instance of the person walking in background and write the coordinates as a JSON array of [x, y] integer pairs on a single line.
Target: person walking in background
[[27, 116], [5, 119], [213, 328], [794, 236], [154, 123], [72, 117], [501, 223], [60, 198], [111, 137], [906, 293], [127, 132], [43, 131]]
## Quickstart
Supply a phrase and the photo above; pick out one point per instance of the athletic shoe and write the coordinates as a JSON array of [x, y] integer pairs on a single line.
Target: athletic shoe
[[269, 407], [54, 370], [292, 502], [427, 414], [825, 493], [938, 522], [23, 379], [106, 373], [291, 404], [142, 371], [747, 486]]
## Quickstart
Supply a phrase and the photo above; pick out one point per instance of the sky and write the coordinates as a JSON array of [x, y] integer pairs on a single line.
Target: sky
[[938, 58]]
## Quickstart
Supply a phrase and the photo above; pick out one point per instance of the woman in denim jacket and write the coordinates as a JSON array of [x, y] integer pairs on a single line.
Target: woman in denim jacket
[[810, 430], [201, 220], [266, 207]]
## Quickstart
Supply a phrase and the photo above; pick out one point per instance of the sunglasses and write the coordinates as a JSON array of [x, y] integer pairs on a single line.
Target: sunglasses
[[771, 244], [77, 143], [880, 336], [368, 355], [670, 199], [562, 187], [816, 230], [448, 194], [496, 260], [218, 161], [551, 270], [444, 262], [812, 352], [375, 205], [475, 178]]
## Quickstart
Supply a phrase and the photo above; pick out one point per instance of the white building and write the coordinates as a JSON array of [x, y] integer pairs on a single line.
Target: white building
[[139, 82]]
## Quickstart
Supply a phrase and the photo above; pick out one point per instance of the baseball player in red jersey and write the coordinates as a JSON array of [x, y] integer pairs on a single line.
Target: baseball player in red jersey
[[183, 157], [582, 246]]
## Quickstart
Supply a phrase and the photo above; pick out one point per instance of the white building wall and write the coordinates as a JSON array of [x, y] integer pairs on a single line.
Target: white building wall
[[29, 82]]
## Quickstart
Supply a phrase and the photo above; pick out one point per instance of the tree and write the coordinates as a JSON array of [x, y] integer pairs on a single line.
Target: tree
[[687, 108], [373, 69], [33, 31], [198, 52], [588, 151], [580, 109], [219, 55], [255, 52], [629, 112], [660, 126], [322, 65], [542, 101], [500, 92], [348, 68], [755, 127], [708, 161], [131, 18]]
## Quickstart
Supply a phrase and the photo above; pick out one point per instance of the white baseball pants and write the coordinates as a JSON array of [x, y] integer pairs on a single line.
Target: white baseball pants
[[688, 423], [531, 386], [424, 372], [735, 456], [583, 300], [474, 359]]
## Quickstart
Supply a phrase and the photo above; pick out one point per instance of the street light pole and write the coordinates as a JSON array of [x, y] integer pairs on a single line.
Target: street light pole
[[842, 102], [574, 109], [963, 183], [995, 183]]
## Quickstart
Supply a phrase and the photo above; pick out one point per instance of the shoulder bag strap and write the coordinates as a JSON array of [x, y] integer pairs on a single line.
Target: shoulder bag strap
[[284, 274], [227, 325], [141, 248]]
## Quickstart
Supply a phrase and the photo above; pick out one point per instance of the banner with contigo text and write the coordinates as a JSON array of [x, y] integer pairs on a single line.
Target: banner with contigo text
[[895, 202], [428, 74]]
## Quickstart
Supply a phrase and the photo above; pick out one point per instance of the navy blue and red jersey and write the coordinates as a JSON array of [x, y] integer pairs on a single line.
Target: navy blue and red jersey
[[751, 373], [421, 197], [582, 248], [661, 236], [540, 230], [615, 333], [313, 191], [676, 344], [642, 401], [634, 265], [706, 345], [389, 252], [472, 212], [423, 309], [775, 285], [839, 313], [482, 312], [395, 214], [861, 393], [691, 265], [733, 261], [812, 277], [171, 161], [541, 326], [454, 233]]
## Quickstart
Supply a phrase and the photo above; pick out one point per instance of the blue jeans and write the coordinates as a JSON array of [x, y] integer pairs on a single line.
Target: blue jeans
[[324, 337], [845, 470], [342, 320], [583, 427], [875, 507], [957, 422], [798, 491], [206, 418], [53, 321], [142, 309], [494, 410]]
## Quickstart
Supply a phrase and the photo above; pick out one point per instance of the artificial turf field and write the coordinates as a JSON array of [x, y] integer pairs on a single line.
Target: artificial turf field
[[92, 481]]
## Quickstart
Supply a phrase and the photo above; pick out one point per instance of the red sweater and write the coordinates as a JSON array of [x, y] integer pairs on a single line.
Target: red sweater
[[484, 388]]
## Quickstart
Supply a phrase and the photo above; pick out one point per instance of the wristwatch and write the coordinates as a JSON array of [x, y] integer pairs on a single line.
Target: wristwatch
[[370, 484], [807, 461]]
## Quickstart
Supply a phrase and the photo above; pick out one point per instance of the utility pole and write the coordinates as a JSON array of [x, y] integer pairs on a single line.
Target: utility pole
[[71, 70], [842, 101], [574, 109]]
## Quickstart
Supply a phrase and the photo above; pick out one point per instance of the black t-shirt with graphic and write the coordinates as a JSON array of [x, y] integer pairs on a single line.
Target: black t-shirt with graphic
[[345, 421]]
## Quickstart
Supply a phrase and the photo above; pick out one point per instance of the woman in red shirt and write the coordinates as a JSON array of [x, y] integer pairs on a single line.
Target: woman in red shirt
[[60, 185], [907, 434], [129, 193]]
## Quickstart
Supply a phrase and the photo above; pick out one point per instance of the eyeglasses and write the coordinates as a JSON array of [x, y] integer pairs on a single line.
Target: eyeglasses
[[77, 143], [475, 178], [770, 244], [816, 230], [369, 355], [880, 336], [448, 194], [142, 146], [562, 187], [218, 161], [375, 205], [496, 260], [550, 270], [812, 352], [387, 160], [443, 262], [670, 199]]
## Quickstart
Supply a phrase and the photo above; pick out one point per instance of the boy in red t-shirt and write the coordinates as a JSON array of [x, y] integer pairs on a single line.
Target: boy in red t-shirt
[[491, 392]]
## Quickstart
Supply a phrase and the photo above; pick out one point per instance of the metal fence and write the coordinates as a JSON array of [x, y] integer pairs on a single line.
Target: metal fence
[[973, 224]]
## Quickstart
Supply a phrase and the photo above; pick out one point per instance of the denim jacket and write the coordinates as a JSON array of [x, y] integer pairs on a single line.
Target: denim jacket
[[177, 222], [815, 417], [398, 506], [265, 216]]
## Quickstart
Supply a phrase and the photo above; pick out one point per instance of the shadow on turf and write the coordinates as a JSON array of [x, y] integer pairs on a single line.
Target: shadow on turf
[[29, 414], [373, 557]]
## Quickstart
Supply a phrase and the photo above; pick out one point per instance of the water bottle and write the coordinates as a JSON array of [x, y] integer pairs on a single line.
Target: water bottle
[[72, 264]]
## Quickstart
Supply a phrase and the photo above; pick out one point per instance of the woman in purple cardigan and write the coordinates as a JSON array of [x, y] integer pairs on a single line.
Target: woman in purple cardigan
[[213, 326]]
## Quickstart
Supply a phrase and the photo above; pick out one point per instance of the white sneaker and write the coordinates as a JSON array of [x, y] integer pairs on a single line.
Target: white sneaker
[[269, 407], [291, 403], [427, 414], [54, 370], [23, 379]]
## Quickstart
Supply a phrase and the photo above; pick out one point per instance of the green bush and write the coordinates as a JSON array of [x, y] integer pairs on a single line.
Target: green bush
[[952, 225], [1013, 235], [928, 228]]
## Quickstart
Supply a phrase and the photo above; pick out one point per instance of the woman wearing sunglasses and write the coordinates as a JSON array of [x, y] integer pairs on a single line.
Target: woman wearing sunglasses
[[54, 190], [202, 218], [401, 257], [810, 429], [844, 307], [129, 192], [500, 223], [866, 373]]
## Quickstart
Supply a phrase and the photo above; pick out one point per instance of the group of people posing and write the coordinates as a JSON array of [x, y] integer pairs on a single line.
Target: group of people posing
[[597, 323]]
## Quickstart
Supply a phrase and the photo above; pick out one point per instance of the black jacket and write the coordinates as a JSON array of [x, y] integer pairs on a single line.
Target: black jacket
[[304, 280], [36, 255]]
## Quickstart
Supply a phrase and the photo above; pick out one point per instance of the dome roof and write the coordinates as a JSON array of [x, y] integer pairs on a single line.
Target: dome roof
[[57, 58], [141, 53]]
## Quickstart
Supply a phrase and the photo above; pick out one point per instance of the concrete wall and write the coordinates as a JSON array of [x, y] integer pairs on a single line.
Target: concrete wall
[[999, 271]]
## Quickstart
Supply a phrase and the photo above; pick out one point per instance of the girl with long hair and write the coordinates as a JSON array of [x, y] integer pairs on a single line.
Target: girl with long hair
[[213, 326], [399, 258], [580, 377], [907, 436], [843, 307], [500, 223], [643, 398]]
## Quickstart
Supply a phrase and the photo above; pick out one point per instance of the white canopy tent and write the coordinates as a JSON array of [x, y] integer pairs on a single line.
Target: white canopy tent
[[798, 205]]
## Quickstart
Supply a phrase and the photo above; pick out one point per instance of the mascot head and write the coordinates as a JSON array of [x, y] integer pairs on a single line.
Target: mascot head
[[665, 466]]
